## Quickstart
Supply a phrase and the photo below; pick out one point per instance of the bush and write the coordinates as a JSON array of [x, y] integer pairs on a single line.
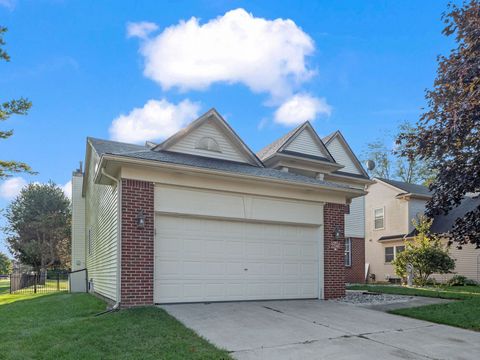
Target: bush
[[460, 280]]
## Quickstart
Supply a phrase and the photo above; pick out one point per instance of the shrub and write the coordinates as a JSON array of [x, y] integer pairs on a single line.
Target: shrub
[[460, 280]]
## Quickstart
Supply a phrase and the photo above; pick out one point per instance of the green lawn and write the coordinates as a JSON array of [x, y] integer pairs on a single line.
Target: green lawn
[[464, 313], [64, 326]]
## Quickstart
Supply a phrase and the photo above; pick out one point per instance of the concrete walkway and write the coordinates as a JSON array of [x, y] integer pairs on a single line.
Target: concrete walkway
[[310, 329]]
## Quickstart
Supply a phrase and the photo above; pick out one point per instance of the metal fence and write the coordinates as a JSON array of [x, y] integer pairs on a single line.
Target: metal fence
[[42, 282]]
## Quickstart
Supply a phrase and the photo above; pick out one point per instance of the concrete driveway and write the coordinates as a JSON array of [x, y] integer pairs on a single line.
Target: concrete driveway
[[310, 329]]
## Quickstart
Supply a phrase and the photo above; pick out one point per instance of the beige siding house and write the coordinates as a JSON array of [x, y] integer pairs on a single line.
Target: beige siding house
[[200, 217], [390, 207]]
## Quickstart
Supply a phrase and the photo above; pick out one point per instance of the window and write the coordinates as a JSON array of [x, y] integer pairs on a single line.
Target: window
[[399, 249], [348, 251], [389, 254], [208, 143], [379, 215]]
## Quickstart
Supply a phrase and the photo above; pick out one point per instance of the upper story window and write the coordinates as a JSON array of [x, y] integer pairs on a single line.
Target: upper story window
[[379, 218], [348, 251], [208, 143]]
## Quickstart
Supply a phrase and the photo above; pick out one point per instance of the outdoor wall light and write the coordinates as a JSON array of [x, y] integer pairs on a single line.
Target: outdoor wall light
[[141, 219], [337, 233]]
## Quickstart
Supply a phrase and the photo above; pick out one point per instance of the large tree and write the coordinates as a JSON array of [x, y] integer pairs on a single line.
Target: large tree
[[7, 109], [391, 163], [38, 229], [448, 132]]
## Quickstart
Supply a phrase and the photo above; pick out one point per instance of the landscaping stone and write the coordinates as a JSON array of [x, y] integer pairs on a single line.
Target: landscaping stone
[[366, 298]]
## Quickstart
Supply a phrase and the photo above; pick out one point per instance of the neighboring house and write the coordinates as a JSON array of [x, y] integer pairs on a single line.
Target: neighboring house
[[390, 208], [200, 217]]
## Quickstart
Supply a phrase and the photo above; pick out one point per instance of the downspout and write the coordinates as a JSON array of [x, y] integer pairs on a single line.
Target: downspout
[[116, 306]]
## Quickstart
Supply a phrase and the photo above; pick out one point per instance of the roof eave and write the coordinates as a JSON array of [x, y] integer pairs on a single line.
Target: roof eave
[[159, 164]]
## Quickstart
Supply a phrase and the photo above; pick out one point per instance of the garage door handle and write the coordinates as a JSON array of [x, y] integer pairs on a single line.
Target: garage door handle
[[245, 269]]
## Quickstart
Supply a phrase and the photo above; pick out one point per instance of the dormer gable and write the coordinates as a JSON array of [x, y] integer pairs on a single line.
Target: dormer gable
[[210, 136], [302, 141], [343, 154]]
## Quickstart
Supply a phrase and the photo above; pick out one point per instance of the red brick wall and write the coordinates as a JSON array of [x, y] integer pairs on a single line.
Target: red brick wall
[[356, 272], [334, 259], [137, 244]]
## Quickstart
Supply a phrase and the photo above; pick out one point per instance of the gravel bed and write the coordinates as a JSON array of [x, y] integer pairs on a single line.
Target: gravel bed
[[365, 298]]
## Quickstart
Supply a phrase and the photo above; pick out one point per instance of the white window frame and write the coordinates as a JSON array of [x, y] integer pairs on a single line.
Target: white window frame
[[348, 252], [375, 219], [385, 254]]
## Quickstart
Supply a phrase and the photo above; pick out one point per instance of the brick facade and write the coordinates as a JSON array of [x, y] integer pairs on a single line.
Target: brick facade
[[356, 272], [137, 263], [334, 251]]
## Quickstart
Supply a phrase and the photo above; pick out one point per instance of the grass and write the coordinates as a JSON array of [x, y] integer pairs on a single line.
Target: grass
[[464, 313], [64, 326]]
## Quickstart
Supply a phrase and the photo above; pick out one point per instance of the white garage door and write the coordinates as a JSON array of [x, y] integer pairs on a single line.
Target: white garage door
[[198, 259]]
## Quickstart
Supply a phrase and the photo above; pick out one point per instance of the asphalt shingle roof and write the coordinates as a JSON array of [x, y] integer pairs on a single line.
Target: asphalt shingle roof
[[407, 187], [145, 153], [444, 223], [272, 148]]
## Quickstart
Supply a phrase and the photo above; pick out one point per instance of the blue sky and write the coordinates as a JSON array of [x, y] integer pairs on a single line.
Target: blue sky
[[358, 66]]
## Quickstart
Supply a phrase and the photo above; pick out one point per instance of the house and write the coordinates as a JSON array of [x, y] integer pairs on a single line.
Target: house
[[390, 207], [200, 217]]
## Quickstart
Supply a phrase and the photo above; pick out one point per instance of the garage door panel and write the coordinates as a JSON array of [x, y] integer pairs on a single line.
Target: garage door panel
[[205, 260]]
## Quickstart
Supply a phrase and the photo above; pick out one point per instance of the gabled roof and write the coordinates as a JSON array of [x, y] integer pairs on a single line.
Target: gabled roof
[[213, 115], [337, 134], [443, 223], [407, 188], [282, 143], [140, 152]]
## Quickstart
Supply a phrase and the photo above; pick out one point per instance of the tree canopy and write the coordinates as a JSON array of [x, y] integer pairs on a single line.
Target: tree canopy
[[38, 229], [447, 134], [7, 109], [391, 163]]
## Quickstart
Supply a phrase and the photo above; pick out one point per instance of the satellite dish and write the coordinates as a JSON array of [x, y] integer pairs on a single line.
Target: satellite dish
[[370, 164]]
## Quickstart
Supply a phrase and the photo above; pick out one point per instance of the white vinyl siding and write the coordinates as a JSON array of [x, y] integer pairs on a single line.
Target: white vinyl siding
[[188, 145], [78, 224], [379, 218], [305, 143], [342, 157], [355, 220], [102, 221]]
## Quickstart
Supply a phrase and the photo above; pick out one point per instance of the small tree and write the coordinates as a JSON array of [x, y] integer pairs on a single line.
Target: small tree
[[5, 264], [425, 254]]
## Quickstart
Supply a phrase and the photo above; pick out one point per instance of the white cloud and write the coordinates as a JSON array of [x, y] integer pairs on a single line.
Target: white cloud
[[140, 29], [157, 119], [11, 187], [300, 108], [9, 4], [67, 189], [265, 55]]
